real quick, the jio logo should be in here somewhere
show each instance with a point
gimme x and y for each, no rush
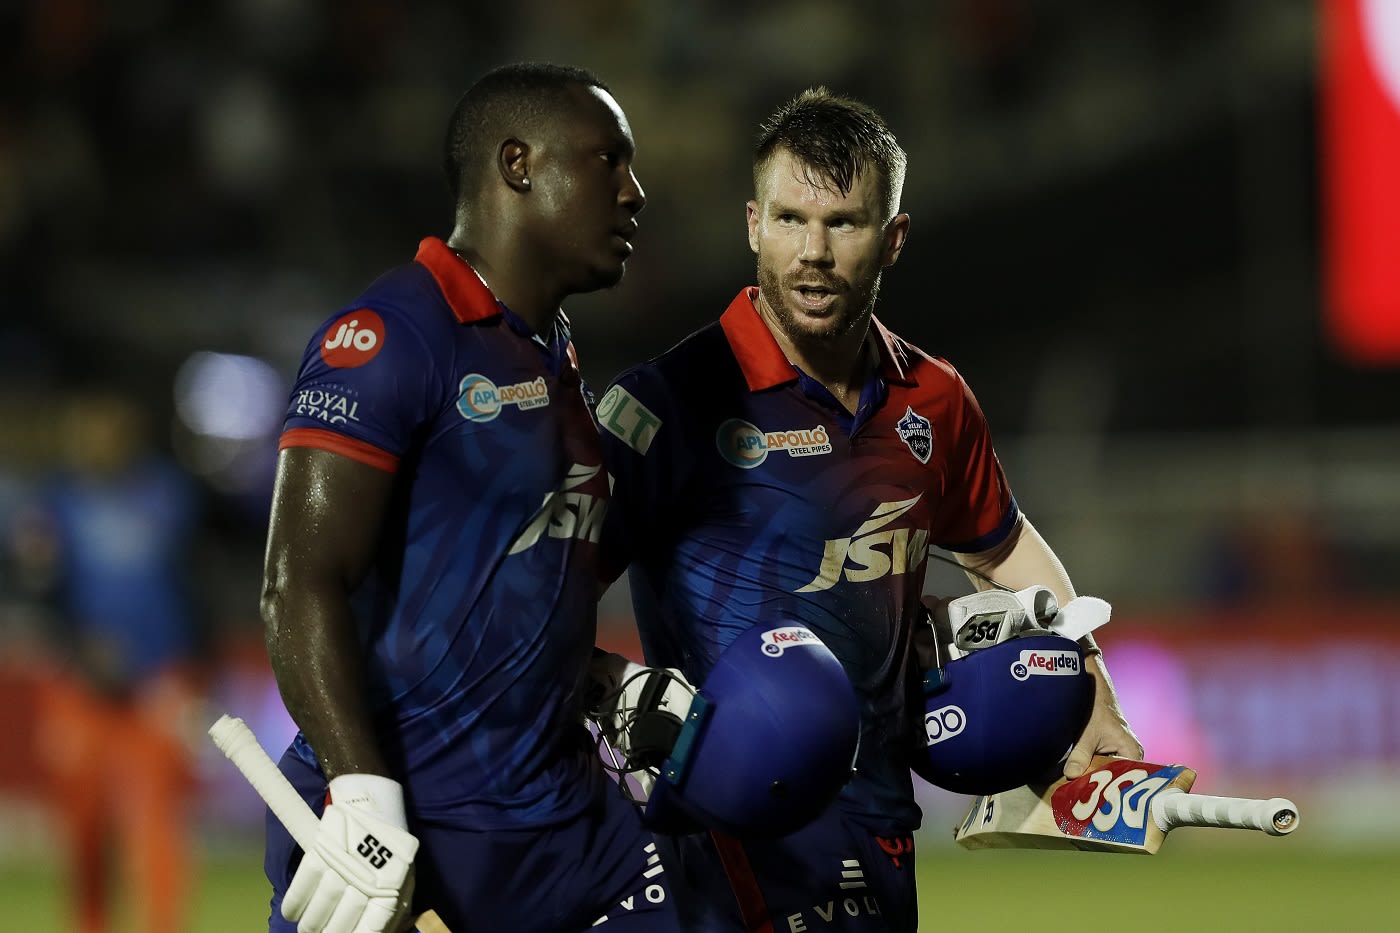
(940, 725)
(353, 340)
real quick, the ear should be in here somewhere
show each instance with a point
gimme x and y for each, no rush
(752, 210)
(895, 233)
(513, 162)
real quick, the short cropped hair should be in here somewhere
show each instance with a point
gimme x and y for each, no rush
(499, 103)
(836, 139)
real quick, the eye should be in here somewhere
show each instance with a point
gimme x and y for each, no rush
(787, 218)
(613, 158)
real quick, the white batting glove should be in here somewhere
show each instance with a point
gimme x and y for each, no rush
(358, 878)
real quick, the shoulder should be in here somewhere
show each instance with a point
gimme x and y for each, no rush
(670, 391)
(700, 363)
(923, 368)
(400, 313)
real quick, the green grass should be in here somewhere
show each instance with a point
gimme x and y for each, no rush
(1266, 886)
(230, 897)
(1266, 889)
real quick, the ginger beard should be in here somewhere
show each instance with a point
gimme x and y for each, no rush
(850, 305)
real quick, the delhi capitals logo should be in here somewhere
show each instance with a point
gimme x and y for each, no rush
(917, 434)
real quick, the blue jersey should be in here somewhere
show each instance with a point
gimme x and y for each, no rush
(479, 613)
(124, 585)
(745, 491)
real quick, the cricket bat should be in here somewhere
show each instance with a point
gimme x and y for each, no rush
(240, 746)
(1118, 805)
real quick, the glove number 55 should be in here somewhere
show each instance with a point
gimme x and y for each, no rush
(373, 851)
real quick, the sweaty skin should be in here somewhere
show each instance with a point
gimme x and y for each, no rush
(820, 253)
(550, 217)
(317, 551)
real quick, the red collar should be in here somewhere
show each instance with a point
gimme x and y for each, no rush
(763, 362)
(463, 288)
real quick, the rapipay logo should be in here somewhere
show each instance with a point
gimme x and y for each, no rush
(478, 398)
(745, 446)
(1061, 663)
(778, 640)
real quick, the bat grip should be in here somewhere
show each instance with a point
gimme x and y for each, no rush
(1275, 816)
(240, 745)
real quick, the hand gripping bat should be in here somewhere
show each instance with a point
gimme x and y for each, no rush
(240, 746)
(1117, 805)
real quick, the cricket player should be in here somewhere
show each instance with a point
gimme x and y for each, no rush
(432, 556)
(796, 459)
(111, 536)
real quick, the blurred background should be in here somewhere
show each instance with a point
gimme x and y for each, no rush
(1161, 240)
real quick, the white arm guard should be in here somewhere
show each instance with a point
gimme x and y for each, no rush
(358, 877)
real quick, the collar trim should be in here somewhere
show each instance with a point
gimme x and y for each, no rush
(466, 292)
(763, 362)
(760, 358)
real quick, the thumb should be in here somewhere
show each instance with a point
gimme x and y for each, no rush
(1078, 761)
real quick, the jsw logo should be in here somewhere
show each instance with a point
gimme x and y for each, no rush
(873, 551)
(566, 513)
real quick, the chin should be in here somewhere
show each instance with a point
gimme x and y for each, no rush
(803, 324)
(608, 276)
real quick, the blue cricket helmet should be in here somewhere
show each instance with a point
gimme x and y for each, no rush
(1004, 716)
(769, 741)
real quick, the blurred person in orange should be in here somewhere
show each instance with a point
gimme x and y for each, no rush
(106, 544)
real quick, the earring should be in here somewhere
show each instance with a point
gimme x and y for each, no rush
(525, 182)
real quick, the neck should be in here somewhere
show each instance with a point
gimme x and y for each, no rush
(841, 363)
(528, 294)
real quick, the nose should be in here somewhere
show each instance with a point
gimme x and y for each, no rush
(816, 247)
(632, 196)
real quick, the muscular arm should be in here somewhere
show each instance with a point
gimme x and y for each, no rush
(326, 515)
(1023, 560)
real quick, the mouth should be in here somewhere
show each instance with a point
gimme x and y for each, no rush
(622, 237)
(813, 297)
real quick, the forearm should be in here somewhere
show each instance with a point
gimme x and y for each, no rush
(322, 536)
(1023, 559)
(319, 668)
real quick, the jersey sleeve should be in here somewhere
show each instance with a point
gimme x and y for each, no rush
(977, 510)
(644, 453)
(366, 383)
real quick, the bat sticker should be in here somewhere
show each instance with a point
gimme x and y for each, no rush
(1111, 803)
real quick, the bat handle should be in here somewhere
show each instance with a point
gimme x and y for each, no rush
(1275, 816)
(240, 745)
